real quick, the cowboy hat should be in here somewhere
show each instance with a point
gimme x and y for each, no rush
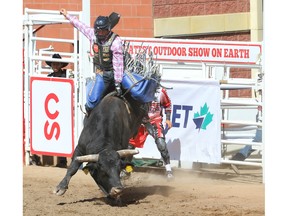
(56, 55)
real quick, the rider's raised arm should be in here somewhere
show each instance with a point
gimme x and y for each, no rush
(82, 27)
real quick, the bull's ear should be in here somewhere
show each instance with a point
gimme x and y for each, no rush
(125, 163)
(127, 166)
(89, 167)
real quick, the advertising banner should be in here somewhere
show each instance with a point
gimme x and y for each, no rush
(196, 118)
(51, 119)
(197, 50)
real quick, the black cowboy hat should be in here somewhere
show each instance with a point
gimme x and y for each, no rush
(56, 55)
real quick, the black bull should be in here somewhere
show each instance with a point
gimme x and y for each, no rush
(108, 129)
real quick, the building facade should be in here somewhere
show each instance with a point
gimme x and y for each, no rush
(227, 20)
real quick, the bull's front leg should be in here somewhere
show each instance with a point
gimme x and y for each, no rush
(71, 170)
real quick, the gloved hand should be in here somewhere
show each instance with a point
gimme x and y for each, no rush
(118, 89)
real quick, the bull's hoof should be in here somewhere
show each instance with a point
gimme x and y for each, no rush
(59, 191)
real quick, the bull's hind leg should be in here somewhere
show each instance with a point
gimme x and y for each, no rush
(72, 169)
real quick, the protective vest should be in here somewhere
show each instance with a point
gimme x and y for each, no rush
(103, 55)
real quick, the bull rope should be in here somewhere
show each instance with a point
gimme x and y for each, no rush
(149, 70)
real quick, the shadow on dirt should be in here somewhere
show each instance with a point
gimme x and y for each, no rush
(130, 196)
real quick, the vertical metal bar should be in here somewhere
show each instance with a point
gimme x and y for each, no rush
(26, 91)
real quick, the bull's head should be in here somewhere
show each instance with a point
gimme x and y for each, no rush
(105, 169)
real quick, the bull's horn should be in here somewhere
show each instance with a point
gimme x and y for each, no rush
(88, 158)
(94, 157)
(127, 152)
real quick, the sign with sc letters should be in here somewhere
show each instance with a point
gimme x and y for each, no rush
(51, 116)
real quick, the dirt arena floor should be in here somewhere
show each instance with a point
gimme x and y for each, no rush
(205, 191)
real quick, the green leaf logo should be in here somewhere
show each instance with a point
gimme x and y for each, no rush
(203, 119)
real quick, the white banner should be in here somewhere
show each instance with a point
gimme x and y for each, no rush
(197, 50)
(51, 119)
(196, 118)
